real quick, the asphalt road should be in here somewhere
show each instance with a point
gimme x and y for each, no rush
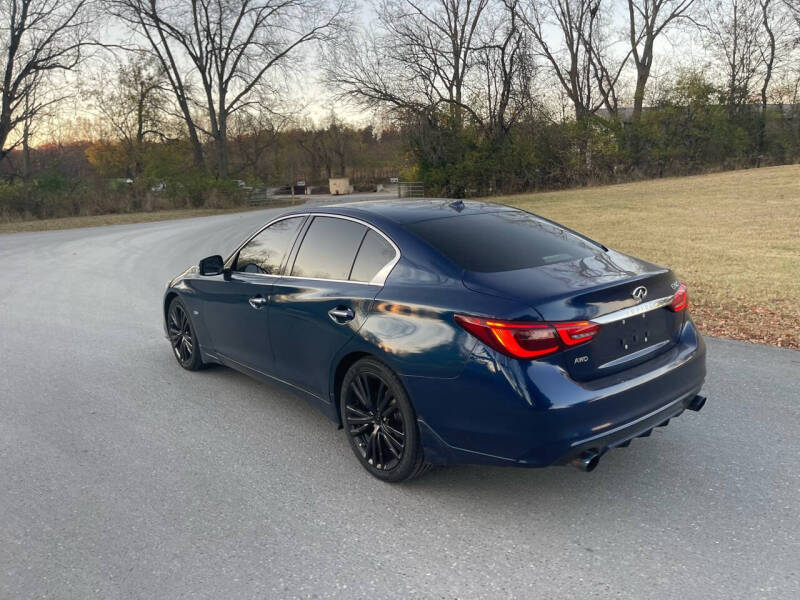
(123, 476)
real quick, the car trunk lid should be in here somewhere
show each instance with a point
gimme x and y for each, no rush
(627, 296)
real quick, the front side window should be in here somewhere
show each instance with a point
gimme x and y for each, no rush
(328, 249)
(264, 254)
(374, 254)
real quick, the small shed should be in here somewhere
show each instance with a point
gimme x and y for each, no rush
(339, 185)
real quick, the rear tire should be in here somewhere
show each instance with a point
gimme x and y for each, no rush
(380, 422)
(182, 336)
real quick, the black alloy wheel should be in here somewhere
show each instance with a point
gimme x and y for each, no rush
(182, 336)
(380, 422)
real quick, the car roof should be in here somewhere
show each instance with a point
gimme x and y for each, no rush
(405, 211)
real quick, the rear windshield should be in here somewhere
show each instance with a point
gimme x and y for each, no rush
(502, 241)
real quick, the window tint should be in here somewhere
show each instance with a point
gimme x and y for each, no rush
(328, 248)
(374, 254)
(502, 241)
(265, 252)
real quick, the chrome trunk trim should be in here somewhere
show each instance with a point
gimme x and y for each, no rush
(632, 311)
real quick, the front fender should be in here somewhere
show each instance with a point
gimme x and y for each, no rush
(181, 287)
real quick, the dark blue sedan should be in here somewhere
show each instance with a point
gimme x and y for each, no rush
(438, 332)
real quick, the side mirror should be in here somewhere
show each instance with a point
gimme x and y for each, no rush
(212, 265)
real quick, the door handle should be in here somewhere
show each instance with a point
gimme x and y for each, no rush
(258, 302)
(341, 314)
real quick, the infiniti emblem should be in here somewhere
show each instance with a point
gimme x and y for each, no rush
(640, 293)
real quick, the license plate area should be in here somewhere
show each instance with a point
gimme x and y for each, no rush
(630, 335)
(624, 344)
(636, 332)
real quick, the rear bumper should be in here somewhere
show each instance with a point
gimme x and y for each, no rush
(505, 412)
(623, 434)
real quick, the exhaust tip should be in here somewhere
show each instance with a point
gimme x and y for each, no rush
(587, 462)
(697, 403)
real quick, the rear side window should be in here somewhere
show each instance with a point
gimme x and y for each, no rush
(374, 254)
(328, 249)
(502, 241)
(264, 254)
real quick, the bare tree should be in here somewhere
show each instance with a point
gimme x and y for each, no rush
(41, 37)
(794, 9)
(734, 33)
(606, 67)
(749, 37)
(647, 21)
(434, 39)
(421, 59)
(327, 146)
(775, 50)
(768, 58)
(506, 70)
(362, 69)
(32, 109)
(135, 107)
(236, 52)
(253, 134)
(768, 50)
(570, 36)
(142, 15)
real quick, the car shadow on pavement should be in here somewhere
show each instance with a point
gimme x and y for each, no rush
(663, 465)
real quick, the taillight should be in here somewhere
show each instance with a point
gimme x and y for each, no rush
(525, 339)
(576, 332)
(680, 301)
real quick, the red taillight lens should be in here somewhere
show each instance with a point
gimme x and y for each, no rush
(576, 333)
(528, 340)
(680, 301)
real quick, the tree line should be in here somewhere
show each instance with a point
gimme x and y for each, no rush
(470, 96)
(509, 95)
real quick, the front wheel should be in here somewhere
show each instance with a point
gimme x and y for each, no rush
(380, 422)
(182, 336)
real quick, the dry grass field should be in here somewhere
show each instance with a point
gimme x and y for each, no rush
(733, 237)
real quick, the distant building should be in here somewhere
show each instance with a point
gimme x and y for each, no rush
(339, 186)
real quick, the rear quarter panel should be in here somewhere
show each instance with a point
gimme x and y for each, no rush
(411, 325)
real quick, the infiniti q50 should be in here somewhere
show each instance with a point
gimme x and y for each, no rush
(439, 332)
